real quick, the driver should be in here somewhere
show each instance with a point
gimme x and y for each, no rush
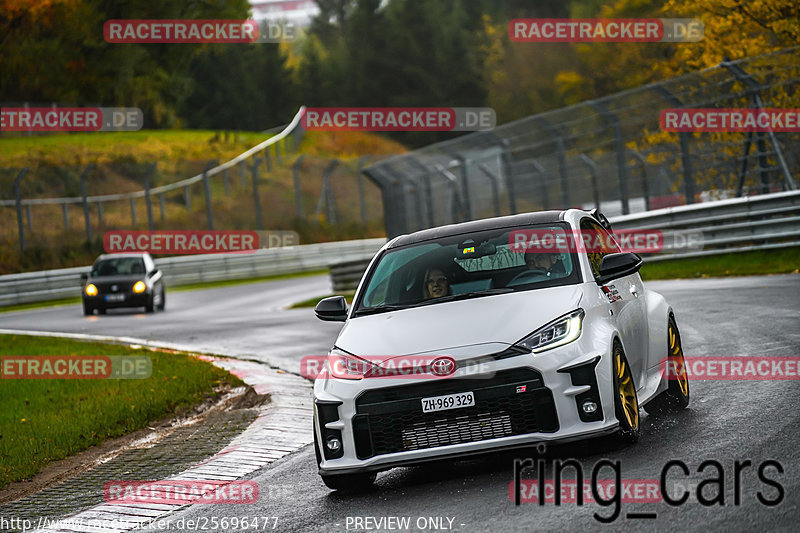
(436, 284)
(544, 263)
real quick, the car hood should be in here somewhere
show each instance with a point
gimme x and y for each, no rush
(493, 321)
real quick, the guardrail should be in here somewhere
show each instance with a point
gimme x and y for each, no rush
(742, 224)
(183, 270)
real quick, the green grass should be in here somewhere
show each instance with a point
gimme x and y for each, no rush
(312, 302)
(45, 420)
(142, 144)
(779, 261)
(38, 305)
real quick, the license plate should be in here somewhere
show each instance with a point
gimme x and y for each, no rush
(115, 297)
(448, 401)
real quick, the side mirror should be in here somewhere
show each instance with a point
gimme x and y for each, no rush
(152, 273)
(333, 309)
(615, 266)
(84, 276)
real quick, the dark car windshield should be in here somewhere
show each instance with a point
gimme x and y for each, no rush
(463, 266)
(118, 266)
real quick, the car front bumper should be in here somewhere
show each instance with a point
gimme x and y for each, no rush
(520, 400)
(130, 299)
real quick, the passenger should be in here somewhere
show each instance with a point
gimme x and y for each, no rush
(436, 284)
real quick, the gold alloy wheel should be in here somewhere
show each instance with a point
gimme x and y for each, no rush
(676, 355)
(626, 390)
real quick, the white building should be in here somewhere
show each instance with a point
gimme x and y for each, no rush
(298, 12)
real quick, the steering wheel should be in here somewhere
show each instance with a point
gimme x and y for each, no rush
(528, 276)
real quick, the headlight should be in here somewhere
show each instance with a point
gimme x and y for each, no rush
(139, 287)
(559, 332)
(343, 365)
(91, 290)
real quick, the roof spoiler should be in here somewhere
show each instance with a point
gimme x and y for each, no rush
(601, 218)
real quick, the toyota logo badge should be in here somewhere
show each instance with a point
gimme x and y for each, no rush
(443, 366)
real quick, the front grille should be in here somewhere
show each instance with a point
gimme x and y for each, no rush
(391, 420)
(106, 288)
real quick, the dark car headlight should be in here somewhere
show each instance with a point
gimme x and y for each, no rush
(559, 332)
(139, 287)
(90, 290)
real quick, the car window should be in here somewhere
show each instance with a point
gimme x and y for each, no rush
(118, 266)
(465, 265)
(597, 247)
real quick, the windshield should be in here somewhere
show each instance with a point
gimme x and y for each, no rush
(463, 266)
(118, 266)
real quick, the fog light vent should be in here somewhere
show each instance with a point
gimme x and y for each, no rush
(333, 444)
(589, 406)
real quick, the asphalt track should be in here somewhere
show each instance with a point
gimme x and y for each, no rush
(727, 421)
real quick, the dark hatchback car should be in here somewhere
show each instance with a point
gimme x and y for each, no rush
(123, 280)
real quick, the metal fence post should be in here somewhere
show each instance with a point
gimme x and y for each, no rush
(225, 183)
(643, 173)
(162, 207)
(277, 154)
(562, 160)
(298, 198)
(593, 173)
(683, 138)
(256, 197)
(360, 178)
(18, 199)
(84, 194)
(30, 218)
(462, 162)
(543, 183)
(330, 201)
(66, 216)
(243, 173)
(133, 212)
(207, 191)
(495, 192)
(187, 198)
(508, 175)
(426, 176)
(754, 89)
(619, 147)
(100, 214)
(147, 200)
(268, 160)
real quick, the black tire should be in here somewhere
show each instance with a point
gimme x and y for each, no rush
(676, 397)
(149, 307)
(349, 483)
(626, 401)
(87, 309)
(161, 306)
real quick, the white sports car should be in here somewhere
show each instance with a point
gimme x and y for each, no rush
(459, 343)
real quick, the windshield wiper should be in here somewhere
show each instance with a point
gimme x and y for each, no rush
(468, 295)
(380, 309)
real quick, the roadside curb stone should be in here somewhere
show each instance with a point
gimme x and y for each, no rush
(271, 431)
